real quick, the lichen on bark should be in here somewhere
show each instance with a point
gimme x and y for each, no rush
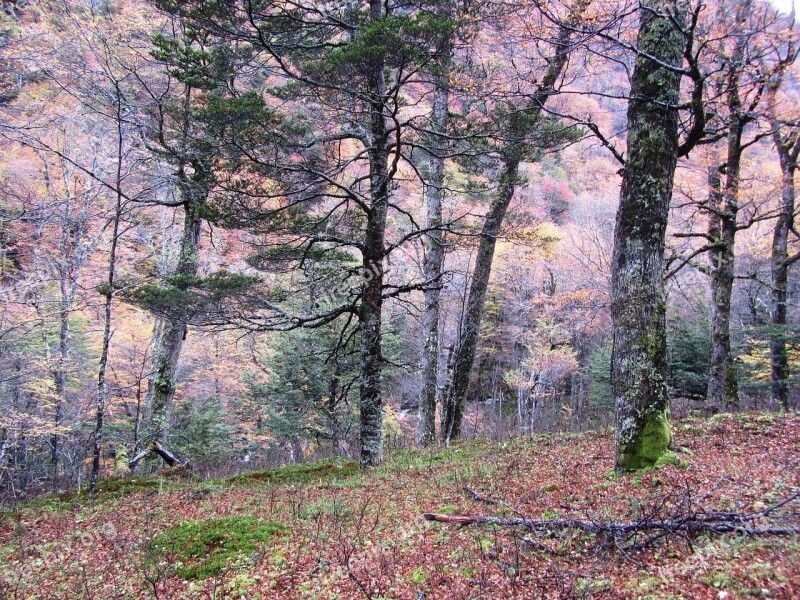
(639, 361)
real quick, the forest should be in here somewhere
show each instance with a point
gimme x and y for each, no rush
(288, 241)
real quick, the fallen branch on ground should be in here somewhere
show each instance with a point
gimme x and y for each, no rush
(685, 519)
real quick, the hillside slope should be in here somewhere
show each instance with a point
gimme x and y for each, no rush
(327, 531)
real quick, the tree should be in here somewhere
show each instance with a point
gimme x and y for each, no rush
(786, 138)
(340, 76)
(434, 241)
(522, 126)
(723, 209)
(310, 388)
(639, 363)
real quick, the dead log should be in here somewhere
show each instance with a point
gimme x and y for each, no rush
(134, 462)
(697, 524)
(169, 457)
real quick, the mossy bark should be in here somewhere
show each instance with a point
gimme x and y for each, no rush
(121, 466)
(649, 442)
(639, 361)
(173, 331)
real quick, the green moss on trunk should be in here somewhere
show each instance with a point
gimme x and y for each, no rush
(645, 448)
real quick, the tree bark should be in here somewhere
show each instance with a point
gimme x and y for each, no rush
(173, 332)
(521, 125)
(779, 263)
(60, 373)
(639, 360)
(723, 388)
(432, 268)
(453, 409)
(100, 401)
(370, 400)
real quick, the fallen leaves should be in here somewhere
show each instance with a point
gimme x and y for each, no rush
(353, 535)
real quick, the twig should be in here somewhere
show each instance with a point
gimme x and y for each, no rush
(476, 496)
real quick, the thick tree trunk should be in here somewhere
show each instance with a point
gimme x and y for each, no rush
(453, 409)
(432, 269)
(639, 361)
(780, 262)
(370, 400)
(173, 331)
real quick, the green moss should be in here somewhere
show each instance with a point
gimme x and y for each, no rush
(447, 509)
(552, 487)
(419, 576)
(205, 548)
(648, 444)
(671, 458)
(324, 470)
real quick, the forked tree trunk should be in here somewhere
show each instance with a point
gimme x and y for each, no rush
(639, 361)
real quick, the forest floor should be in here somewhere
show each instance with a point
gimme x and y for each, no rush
(325, 530)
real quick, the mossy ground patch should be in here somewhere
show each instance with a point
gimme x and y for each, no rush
(201, 549)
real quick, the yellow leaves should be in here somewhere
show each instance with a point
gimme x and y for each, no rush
(550, 358)
(758, 362)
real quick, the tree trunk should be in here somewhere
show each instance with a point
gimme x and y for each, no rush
(60, 374)
(432, 268)
(173, 331)
(639, 360)
(521, 125)
(723, 389)
(100, 402)
(370, 400)
(167, 456)
(721, 392)
(780, 262)
(453, 409)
